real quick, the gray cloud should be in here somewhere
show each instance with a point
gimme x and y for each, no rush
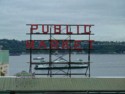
(107, 15)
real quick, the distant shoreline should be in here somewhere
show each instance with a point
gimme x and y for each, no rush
(72, 54)
(16, 47)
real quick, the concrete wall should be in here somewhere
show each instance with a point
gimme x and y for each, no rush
(4, 62)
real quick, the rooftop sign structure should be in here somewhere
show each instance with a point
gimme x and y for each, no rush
(54, 45)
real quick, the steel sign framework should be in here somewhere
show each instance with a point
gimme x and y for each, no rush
(60, 48)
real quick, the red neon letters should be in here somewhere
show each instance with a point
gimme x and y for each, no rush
(55, 44)
(57, 29)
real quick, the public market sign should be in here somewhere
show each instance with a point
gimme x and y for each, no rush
(59, 29)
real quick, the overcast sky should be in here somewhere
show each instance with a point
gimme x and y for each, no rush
(108, 16)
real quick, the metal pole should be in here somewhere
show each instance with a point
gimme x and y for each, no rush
(89, 52)
(50, 55)
(70, 55)
(30, 69)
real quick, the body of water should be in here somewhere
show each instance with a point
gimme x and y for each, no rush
(111, 65)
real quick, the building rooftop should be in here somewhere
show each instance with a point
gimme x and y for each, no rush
(62, 84)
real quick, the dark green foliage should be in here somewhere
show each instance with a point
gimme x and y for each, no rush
(14, 46)
(108, 47)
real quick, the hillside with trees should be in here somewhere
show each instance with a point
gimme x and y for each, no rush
(16, 47)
